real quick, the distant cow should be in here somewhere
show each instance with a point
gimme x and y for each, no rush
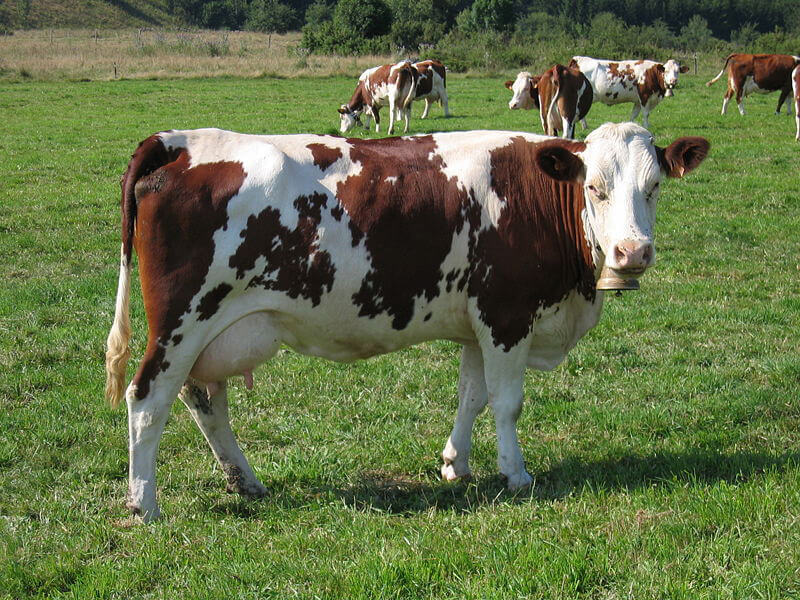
(387, 85)
(643, 82)
(562, 95)
(348, 248)
(764, 73)
(431, 85)
(796, 91)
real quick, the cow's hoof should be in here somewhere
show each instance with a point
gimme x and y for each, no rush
(251, 490)
(144, 515)
(450, 473)
(518, 481)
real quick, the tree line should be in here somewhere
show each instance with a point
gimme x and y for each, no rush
(424, 21)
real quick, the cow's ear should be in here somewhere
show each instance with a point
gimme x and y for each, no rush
(510, 84)
(683, 155)
(684, 69)
(559, 163)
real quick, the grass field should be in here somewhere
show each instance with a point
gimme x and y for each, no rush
(665, 451)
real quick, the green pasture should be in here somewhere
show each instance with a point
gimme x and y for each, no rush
(665, 450)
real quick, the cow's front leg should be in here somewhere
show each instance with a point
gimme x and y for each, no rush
(472, 399)
(211, 415)
(392, 117)
(377, 114)
(505, 373)
(637, 108)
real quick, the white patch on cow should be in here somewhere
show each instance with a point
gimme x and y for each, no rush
(391, 179)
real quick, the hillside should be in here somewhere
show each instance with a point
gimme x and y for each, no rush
(39, 14)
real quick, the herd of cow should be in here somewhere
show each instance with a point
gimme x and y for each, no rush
(346, 248)
(564, 94)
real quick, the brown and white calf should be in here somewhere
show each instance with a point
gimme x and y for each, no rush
(562, 95)
(431, 85)
(763, 73)
(796, 92)
(387, 85)
(347, 248)
(643, 82)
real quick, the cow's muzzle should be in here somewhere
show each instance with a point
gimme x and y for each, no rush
(631, 258)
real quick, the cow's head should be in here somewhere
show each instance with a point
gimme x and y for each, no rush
(348, 118)
(621, 169)
(671, 70)
(525, 93)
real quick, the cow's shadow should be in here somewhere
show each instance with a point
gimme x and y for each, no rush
(391, 494)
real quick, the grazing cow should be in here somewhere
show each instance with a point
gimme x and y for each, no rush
(431, 85)
(349, 248)
(387, 85)
(796, 91)
(764, 73)
(643, 82)
(562, 95)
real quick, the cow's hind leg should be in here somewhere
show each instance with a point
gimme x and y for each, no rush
(149, 400)
(784, 98)
(427, 108)
(210, 412)
(472, 399)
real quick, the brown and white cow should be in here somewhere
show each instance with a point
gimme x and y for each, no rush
(431, 85)
(796, 92)
(643, 82)
(387, 85)
(764, 73)
(562, 95)
(349, 248)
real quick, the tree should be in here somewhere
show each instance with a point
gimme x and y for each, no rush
(696, 35)
(495, 15)
(271, 16)
(365, 18)
(318, 13)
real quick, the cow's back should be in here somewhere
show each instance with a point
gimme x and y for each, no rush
(355, 247)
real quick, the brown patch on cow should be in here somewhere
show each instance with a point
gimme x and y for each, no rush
(407, 226)
(294, 263)
(324, 156)
(209, 304)
(537, 253)
(425, 80)
(178, 210)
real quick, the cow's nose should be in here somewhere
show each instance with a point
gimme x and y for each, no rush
(633, 255)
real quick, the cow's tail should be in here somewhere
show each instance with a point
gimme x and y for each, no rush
(150, 155)
(725, 66)
(410, 73)
(118, 350)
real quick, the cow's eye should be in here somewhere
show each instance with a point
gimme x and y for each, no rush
(597, 193)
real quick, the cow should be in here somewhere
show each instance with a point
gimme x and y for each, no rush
(796, 92)
(346, 248)
(764, 73)
(643, 82)
(386, 85)
(431, 85)
(562, 95)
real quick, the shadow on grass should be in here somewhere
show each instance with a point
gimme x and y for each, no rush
(394, 495)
